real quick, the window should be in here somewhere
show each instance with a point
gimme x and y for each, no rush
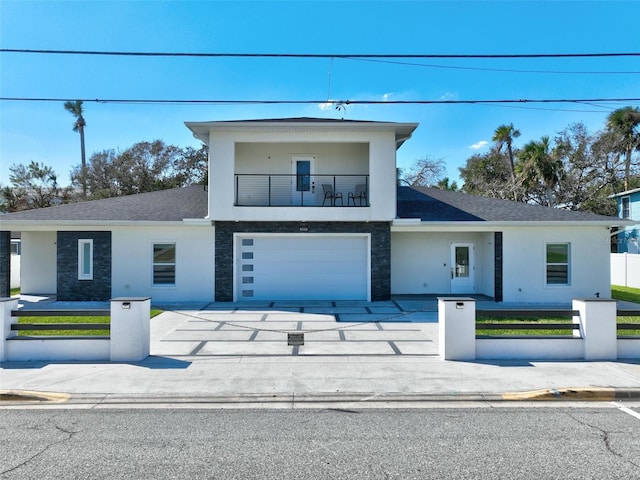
(85, 259)
(164, 263)
(558, 263)
(626, 207)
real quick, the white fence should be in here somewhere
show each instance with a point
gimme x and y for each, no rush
(129, 338)
(594, 338)
(625, 269)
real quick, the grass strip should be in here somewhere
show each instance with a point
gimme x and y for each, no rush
(524, 321)
(78, 319)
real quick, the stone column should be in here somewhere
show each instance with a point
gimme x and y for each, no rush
(5, 263)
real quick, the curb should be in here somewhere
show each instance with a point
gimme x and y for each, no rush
(320, 400)
(577, 393)
(31, 396)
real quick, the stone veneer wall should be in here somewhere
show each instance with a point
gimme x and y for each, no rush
(497, 245)
(380, 250)
(5, 264)
(68, 286)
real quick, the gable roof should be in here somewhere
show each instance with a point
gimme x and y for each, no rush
(435, 205)
(403, 131)
(175, 205)
(161, 206)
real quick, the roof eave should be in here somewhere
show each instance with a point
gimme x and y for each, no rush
(40, 225)
(403, 223)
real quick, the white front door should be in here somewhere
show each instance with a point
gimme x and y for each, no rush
(302, 181)
(462, 268)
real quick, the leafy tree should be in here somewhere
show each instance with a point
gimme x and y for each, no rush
(33, 186)
(192, 166)
(587, 182)
(425, 172)
(624, 124)
(11, 199)
(488, 174)
(445, 185)
(75, 108)
(144, 167)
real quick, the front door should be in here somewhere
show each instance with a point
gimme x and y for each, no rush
(462, 268)
(302, 181)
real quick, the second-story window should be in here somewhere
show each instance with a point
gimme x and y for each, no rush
(626, 207)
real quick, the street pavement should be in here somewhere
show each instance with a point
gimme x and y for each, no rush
(375, 353)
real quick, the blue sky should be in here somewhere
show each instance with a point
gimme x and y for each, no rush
(43, 131)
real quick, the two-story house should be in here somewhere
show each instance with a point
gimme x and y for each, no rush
(629, 209)
(308, 209)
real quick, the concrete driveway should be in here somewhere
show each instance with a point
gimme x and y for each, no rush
(330, 328)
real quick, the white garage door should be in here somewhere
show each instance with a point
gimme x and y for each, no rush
(302, 267)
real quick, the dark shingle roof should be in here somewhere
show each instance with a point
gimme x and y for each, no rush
(165, 205)
(435, 205)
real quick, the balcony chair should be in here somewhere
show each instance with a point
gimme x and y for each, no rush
(330, 195)
(360, 194)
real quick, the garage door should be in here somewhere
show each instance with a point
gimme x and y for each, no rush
(302, 267)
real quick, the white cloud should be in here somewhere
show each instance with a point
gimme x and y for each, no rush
(326, 106)
(386, 96)
(448, 96)
(479, 145)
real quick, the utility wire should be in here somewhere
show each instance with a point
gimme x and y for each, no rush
(316, 55)
(332, 102)
(506, 70)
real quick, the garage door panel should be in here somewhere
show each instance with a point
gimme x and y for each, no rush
(303, 268)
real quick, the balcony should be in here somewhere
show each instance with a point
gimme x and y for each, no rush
(301, 190)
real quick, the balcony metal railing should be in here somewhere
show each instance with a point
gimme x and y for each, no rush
(286, 190)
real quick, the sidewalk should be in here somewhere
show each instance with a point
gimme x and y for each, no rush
(226, 354)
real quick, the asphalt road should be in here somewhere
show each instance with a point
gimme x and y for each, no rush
(600, 442)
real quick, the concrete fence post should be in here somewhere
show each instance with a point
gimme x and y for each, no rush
(457, 328)
(6, 306)
(597, 321)
(130, 329)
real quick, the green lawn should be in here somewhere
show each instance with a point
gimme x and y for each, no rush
(523, 320)
(617, 293)
(625, 293)
(32, 333)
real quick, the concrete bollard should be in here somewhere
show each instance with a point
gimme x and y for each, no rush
(130, 329)
(457, 328)
(6, 306)
(598, 327)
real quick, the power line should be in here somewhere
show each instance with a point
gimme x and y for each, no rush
(507, 70)
(313, 102)
(316, 55)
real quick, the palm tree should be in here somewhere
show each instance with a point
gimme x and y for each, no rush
(540, 167)
(504, 135)
(75, 109)
(623, 123)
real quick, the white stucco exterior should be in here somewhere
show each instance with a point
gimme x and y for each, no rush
(421, 261)
(132, 262)
(338, 149)
(524, 250)
(38, 262)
